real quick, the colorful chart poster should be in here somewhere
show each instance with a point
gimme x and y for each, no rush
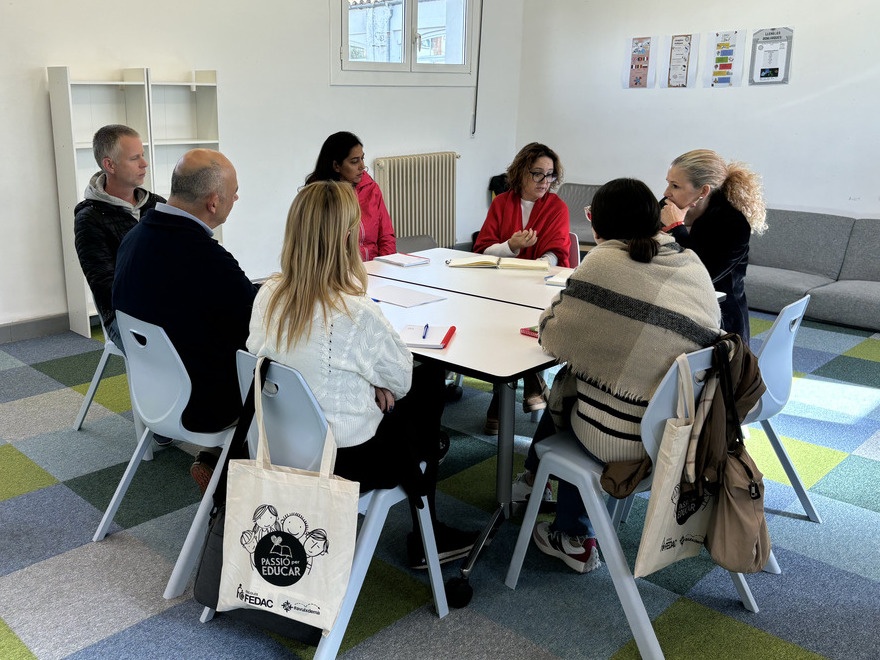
(771, 56)
(679, 60)
(640, 59)
(725, 56)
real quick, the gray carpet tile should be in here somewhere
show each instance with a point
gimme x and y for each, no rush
(41, 349)
(73, 600)
(78, 369)
(23, 382)
(462, 635)
(847, 481)
(44, 413)
(833, 613)
(102, 442)
(218, 639)
(43, 524)
(165, 534)
(852, 370)
(870, 448)
(8, 362)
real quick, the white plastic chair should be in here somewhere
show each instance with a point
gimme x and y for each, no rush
(296, 428)
(776, 364)
(109, 349)
(560, 455)
(160, 387)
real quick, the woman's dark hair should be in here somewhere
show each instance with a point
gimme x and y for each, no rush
(523, 161)
(626, 210)
(334, 150)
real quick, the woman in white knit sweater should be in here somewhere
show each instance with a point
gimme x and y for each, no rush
(636, 302)
(315, 316)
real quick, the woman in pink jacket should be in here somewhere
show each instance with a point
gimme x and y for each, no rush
(342, 159)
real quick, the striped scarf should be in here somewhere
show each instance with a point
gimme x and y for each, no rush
(619, 324)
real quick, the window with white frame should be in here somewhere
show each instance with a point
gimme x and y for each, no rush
(405, 42)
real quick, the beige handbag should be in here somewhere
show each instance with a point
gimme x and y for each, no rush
(677, 519)
(289, 535)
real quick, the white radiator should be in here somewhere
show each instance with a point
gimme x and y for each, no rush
(419, 192)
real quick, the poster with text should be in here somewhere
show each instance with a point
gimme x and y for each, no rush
(639, 68)
(677, 58)
(771, 56)
(725, 50)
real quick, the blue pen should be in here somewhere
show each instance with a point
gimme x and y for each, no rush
(425, 333)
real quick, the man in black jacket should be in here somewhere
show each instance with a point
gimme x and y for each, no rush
(172, 273)
(114, 202)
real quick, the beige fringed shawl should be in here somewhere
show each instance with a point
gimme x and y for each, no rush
(618, 325)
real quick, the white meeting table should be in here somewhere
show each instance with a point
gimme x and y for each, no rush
(487, 345)
(509, 285)
(518, 287)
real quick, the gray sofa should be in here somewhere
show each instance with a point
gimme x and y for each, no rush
(833, 258)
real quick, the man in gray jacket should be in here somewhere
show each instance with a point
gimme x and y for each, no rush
(114, 202)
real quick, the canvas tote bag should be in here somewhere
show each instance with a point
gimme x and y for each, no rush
(677, 518)
(289, 535)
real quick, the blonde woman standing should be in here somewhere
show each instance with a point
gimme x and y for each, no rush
(713, 207)
(315, 316)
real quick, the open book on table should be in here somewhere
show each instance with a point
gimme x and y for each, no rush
(427, 336)
(488, 261)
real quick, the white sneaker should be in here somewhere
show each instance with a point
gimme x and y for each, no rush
(580, 553)
(521, 490)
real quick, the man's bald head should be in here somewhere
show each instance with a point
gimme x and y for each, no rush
(205, 184)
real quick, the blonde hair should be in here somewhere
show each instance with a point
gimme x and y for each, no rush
(320, 259)
(740, 185)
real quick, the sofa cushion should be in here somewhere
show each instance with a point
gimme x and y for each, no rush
(862, 260)
(799, 241)
(576, 196)
(771, 289)
(847, 302)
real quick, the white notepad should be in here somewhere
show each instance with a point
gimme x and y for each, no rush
(403, 259)
(397, 295)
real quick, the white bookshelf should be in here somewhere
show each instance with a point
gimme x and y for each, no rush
(172, 117)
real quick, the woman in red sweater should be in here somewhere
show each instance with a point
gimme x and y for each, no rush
(342, 159)
(528, 221)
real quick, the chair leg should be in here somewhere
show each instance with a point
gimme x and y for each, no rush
(435, 574)
(619, 509)
(124, 483)
(207, 615)
(745, 594)
(93, 387)
(195, 538)
(772, 566)
(624, 583)
(530, 515)
(367, 538)
(791, 472)
(139, 429)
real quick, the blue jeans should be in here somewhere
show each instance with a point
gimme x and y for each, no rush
(113, 335)
(571, 515)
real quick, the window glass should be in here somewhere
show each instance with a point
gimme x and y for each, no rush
(375, 31)
(441, 31)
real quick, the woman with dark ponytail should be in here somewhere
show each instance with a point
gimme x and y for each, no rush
(636, 302)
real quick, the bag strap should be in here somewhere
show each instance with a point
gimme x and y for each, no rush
(685, 408)
(238, 443)
(263, 460)
(735, 437)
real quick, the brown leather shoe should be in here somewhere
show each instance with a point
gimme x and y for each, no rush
(203, 469)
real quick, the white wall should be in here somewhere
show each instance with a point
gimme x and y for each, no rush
(276, 108)
(815, 141)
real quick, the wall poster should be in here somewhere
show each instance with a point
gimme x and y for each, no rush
(771, 56)
(640, 69)
(726, 52)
